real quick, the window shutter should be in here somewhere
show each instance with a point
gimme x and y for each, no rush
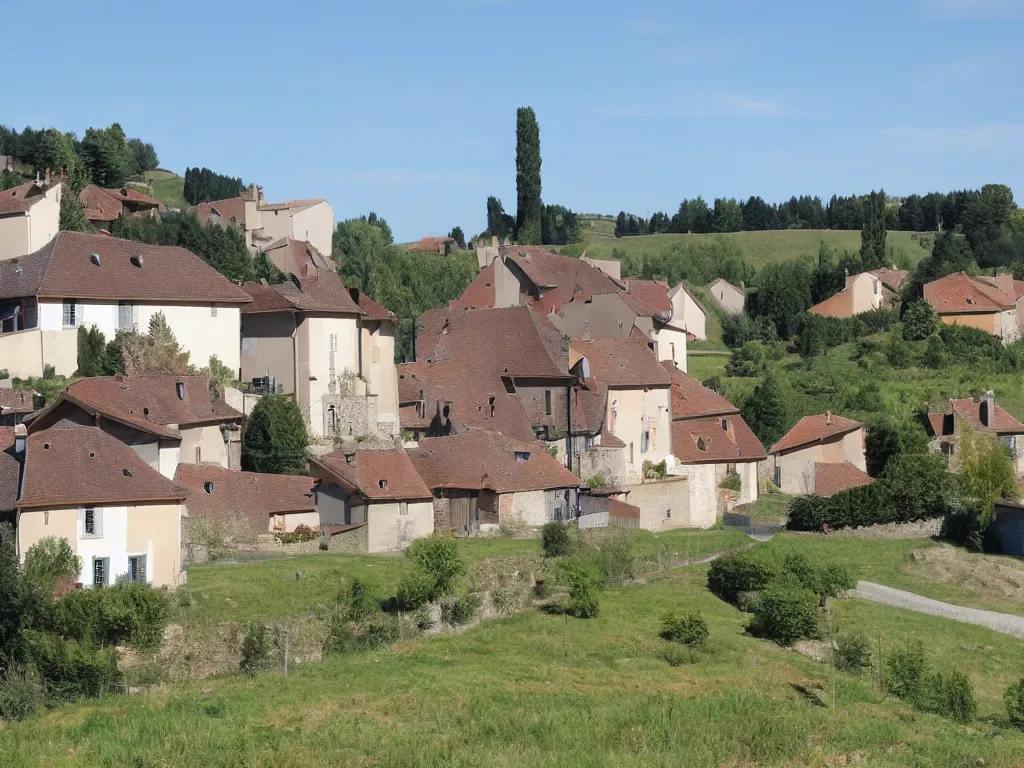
(140, 569)
(67, 313)
(98, 522)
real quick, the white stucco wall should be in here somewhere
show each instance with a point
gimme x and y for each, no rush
(389, 530)
(170, 456)
(686, 312)
(853, 449)
(703, 492)
(112, 543)
(25, 353)
(748, 481)
(209, 440)
(671, 345)
(315, 225)
(346, 357)
(379, 370)
(14, 237)
(624, 418)
(729, 298)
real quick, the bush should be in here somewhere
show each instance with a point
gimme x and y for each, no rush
(358, 601)
(341, 639)
(256, 647)
(555, 540)
(460, 610)
(131, 613)
(1014, 698)
(275, 438)
(412, 593)
(595, 481)
(51, 562)
(731, 482)
(652, 471)
(919, 321)
(583, 602)
(852, 653)
(905, 671)
(614, 559)
(676, 656)
(69, 670)
(785, 614)
(378, 633)
(439, 557)
(21, 694)
(301, 533)
(689, 629)
(949, 695)
(423, 620)
(749, 571)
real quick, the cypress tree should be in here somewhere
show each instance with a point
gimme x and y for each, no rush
(528, 215)
(872, 236)
(765, 411)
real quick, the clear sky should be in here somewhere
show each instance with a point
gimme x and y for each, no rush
(408, 108)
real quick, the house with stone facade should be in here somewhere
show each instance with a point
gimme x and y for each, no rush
(992, 304)
(710, 441)
(331, 347)
(121, 516)
(481, 480)
(29, 218)
(982, 415)
(167, 420)
(821, 454)
(371, 501)
(81, 280)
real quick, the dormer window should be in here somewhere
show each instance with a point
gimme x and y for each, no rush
(701, 444)
(522, 456)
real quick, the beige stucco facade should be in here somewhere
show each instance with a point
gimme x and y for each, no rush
(795, 469)
(670, 344)
(204, 443)
(379, 369)
(333, 358)
(25, 233)
(303, 221)
(664, 504)
(686, 312)
(26, 353)
(393, 526)
(729, 298)
(632, 411)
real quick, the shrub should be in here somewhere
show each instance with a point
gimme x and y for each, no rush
(51, 561)
(340, 640)
(614, 559)
(748, 571)
(949, 695)
(583, 602)
(852, 653)
(460, 610)
(595, 481)
(919, 321)
(1014, 698)
(555, 540)
(676, 656)
(71, 670)
(256, 647)
(731, 482)
(359, 601)
(301, 533)
(378, 633)
(905, 671)
(275, 438)
(652, 471)
(21, 694)
(423, 620)
(413, 592)
(439, 557)
(507, 599)
(541, 589)
(689, 629)
(785, 614)
(130, 613)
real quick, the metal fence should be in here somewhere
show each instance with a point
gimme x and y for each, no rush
(745, 524)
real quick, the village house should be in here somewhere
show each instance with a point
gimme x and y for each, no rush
(15, 405)
(241, 507)
(309, 221)
(296, 257)
(166, 419)
(331, 346)
(82, 280)
(639, 409)
(728, 297)
(611, 267)
(596, 452)
(992, 304)
(440, 245)
(821, 455)
(102, 207)
(893, 279)
(863, 292)
(710, 441)
(121, 516)
(482, 479)
(982, 415)
(371, 501)
(29, 219)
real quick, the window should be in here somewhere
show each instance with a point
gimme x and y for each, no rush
(620, 325)
(547, 402)
(179, 388)
(730, 469)
(90, 523)
(778, 476)
(100, 566)
(490, 401)
(126, 316)
(947, 449)
(522, 456)
(668, 513)
(403, 508)
(586, 330)
(208, 486)
(645, 441)
(199, 454)
(137, 568)
(213, 310)
(71, 314)
(672, 349)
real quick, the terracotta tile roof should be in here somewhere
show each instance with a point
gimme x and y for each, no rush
(814, 429)
(970, 411)
(99, 204)
(833, 305)
(608, 440)
(10, 471)
(830, 479)
(479, 294)
(323, 292)
(690, 398)
(21, 198)
(430, 244)
(589, 407)
(64, 269)
(85, 465)
(478, 460)
(373, 310)
(6, 438)
(623, 363)
(223, 210)
(149, 403)
(130, 194)
(704, 440)
(894, 278)
(961, 293)
(16, 401)
(651, 294)
(374, 475)
(562, 278)
(251, 494)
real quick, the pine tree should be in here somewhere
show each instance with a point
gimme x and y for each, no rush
(765, 411)
(528, 185)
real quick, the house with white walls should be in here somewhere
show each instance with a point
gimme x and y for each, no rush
(82, 280)
(29, 216)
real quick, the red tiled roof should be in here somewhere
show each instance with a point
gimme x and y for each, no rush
(562, 278)
(479, 459)
(653, 294)
(622, 509)
(20, 198)
(251, 494)
(64, 269)
(131, 194)
(830, 479)
(16, 401)
(85, 465)
(149, 403)
(704, 440)
(430, 244)
(830, 306)
(479, 294)
(373, 310)
(323, 292)
(894, 278)
(961, 293)
(623, 363)
(691, 398)
(814, 429)
(224, 210)
(970, 411)
(300, 255)
(374, 475)
(6, 438)
(99, 204)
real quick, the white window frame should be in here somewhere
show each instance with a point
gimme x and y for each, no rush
(71, 313)
(106, 571)
(144, 558)
(97, 523)
(126, 308)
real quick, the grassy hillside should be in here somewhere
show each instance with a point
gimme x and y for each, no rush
(757, 248)
(540, 690)
(167, 187)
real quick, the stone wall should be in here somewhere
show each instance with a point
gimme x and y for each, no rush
(354, 541)
(442, 514)
(664, 504)
(605, 461)
(922, 529)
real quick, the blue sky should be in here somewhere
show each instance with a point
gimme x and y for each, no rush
(408, 108)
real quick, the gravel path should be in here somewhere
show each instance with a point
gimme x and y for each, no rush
(1006, 623)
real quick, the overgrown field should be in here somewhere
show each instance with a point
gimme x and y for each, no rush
(167, 187)
(537, 689)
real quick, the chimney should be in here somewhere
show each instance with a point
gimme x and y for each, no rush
(828, 418)
(988, 409)
(349, 457)
(494, 241)
(949, 403)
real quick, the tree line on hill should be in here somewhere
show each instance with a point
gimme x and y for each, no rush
(534, 223)
(203, 186)
(103, 156)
